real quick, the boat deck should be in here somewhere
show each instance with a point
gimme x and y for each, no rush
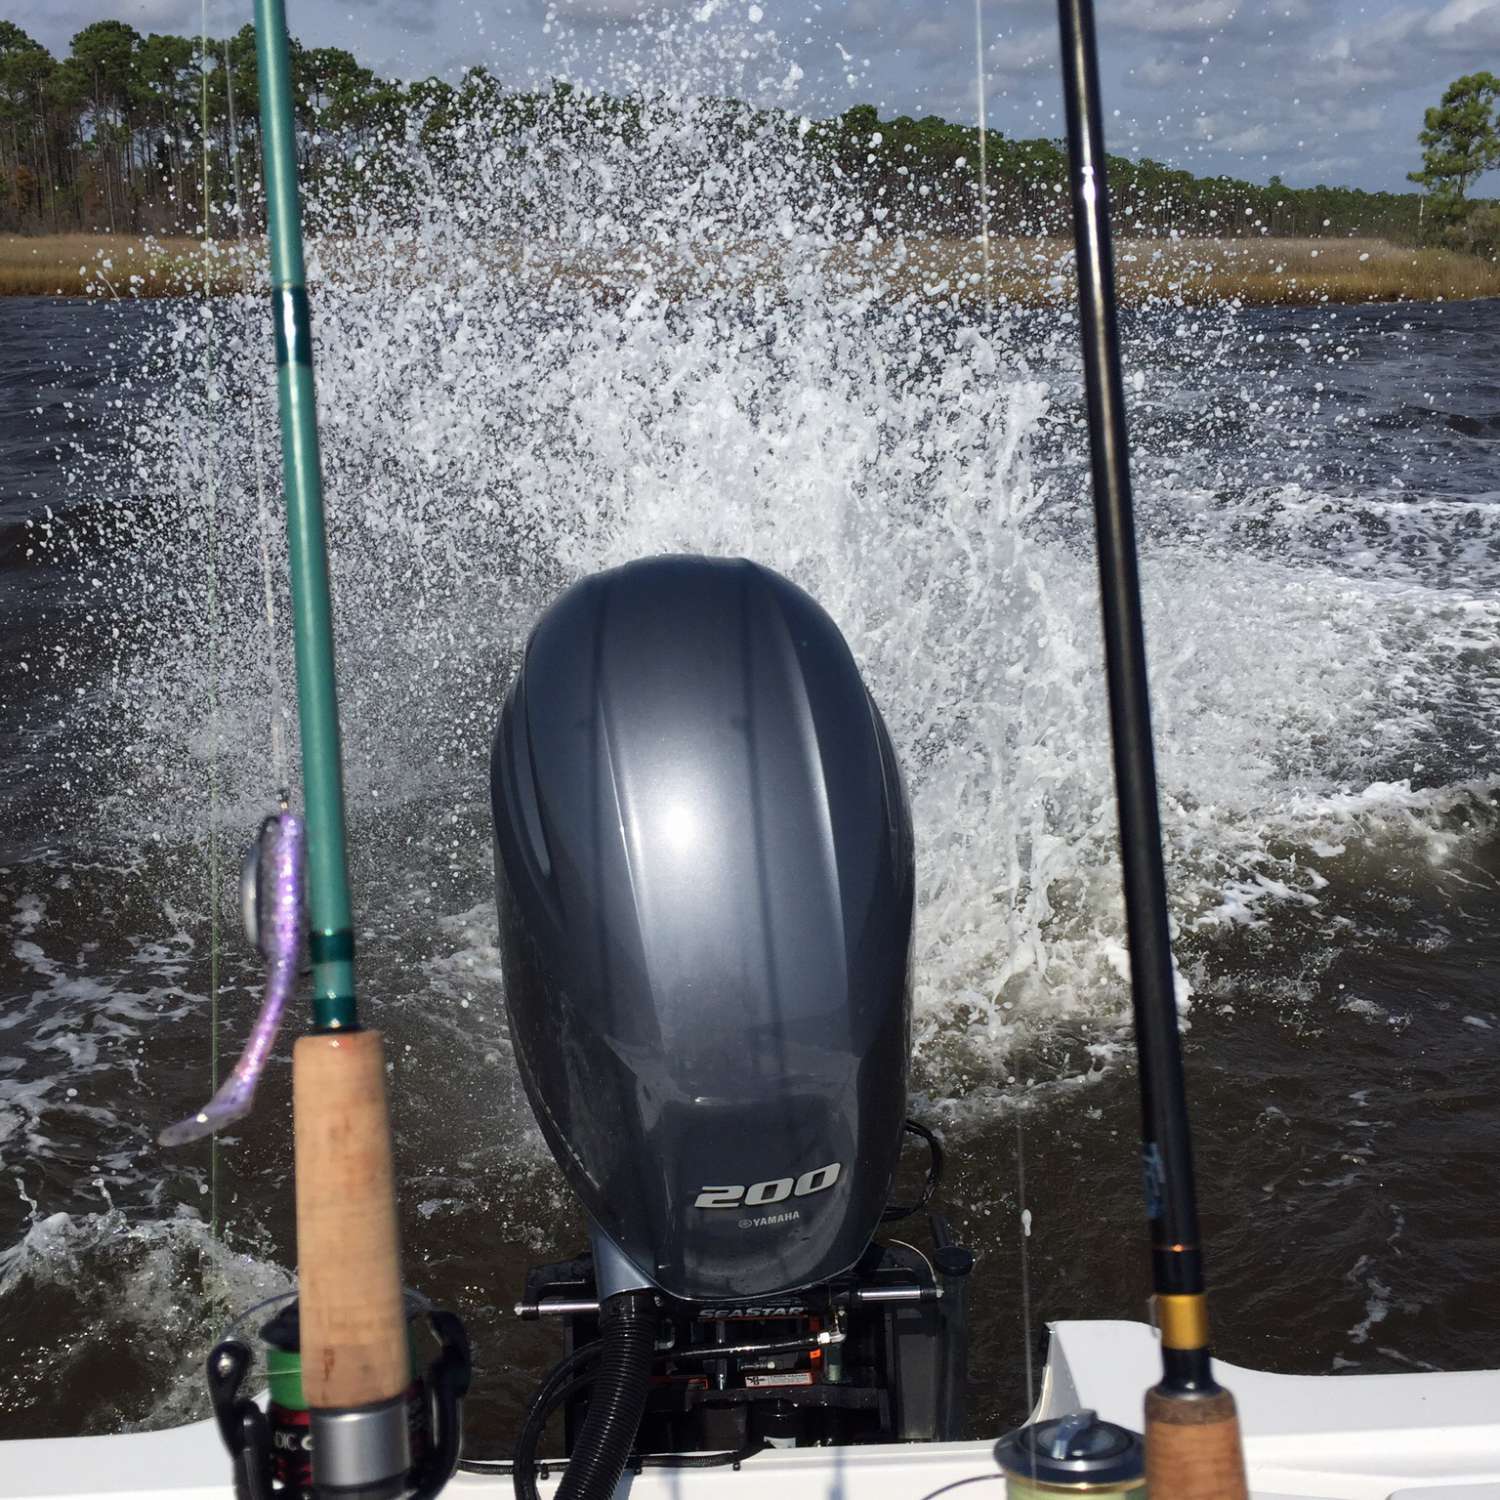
(1359, 1437)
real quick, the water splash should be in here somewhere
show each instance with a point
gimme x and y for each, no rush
(108, 1287)
(589, 333)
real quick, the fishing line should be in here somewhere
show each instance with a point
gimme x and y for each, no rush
(262, 505)
(211, 495)
(273, 667)
(984, 189)
(989, 318)
(1025, 1220)
(917, 1250)
(234, 141)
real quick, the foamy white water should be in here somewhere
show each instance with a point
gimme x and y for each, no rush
(507, 404)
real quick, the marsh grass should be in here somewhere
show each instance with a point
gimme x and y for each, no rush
(113, 265)
(1023, 272)
(1259, 272)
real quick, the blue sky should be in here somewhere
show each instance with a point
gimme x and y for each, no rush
(1316, 90)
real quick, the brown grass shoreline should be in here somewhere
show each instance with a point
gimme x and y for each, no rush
(1188, 272)
(104, 266)
(1022, 272)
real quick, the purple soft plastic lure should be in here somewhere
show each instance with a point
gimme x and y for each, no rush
(281, 927)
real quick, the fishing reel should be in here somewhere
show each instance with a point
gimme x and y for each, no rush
(273, 1451)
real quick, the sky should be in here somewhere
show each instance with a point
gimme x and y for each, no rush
(1313, 90)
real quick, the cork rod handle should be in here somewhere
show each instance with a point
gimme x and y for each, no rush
(1193, 1449)
(354, 1345)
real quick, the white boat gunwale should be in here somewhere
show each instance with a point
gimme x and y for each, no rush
(1422, 1436)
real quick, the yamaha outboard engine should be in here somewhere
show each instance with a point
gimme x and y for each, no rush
(704, 866)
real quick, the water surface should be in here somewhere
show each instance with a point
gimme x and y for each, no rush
(1317, 506)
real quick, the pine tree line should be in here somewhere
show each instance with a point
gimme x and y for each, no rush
(118, 136)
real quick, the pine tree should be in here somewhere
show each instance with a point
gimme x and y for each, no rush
(1460, 140)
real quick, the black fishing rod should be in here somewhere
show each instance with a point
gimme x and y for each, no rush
(1193, 1449)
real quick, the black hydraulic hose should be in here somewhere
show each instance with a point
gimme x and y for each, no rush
(524, 1465)
(705, 1352)
(897, 1211)
(556, 1392)
(572, 1375)
(562, 1383)
(725, 1459)
(627, 1342)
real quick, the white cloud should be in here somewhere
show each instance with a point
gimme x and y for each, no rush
(1018, 54)
(1162, 72)
(608, 12)
(1425, 36)
(1465, 18)
(1229, 134)
(1192, 16)
(54, 24)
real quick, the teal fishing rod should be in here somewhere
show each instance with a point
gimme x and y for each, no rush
(1193, 1447)
(353, 1327)
(331, 936)
(356, 1368)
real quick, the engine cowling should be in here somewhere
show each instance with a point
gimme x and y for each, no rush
(703, 860)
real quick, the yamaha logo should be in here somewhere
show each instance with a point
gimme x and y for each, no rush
(785, 1218)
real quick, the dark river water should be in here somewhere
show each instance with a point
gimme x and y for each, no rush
(1318, 496)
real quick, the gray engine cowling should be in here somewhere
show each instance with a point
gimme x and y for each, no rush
(703, 858)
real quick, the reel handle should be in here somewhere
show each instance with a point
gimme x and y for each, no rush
(242, 1424)
(447, 1384)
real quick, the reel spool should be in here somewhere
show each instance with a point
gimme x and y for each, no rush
(1073, 1455)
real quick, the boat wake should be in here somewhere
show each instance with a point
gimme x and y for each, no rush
(102, 1293)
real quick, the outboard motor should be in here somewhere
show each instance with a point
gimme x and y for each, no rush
(703, 858)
